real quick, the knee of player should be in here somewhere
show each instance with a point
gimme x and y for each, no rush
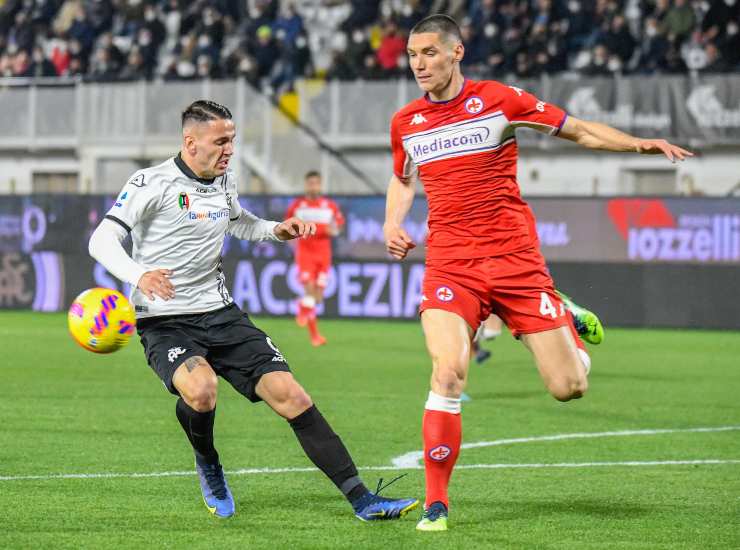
(298, 398)
(448, 379)
(566, 388)
(202, 394)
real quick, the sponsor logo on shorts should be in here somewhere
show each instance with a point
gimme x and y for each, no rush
(474, 105)
(440, 453)
(278, 358)
(445, 294)
(174, 353)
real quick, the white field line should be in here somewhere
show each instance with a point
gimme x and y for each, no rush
(264, 471)
(412, 458)
(410, 461)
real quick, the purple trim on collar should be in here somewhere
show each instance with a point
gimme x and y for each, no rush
(426, 95)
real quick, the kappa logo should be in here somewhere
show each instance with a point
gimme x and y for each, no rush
(474, 105)
(440, 453)
(174, 353)
(445, 294)
(417, 119)
(518, 91)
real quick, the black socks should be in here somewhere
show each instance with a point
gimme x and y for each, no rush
(198, 427)
(327, 452)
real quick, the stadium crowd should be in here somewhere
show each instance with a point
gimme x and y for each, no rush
(272, 42)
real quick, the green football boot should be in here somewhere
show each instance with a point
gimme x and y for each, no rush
(586, 322)
(434, 518)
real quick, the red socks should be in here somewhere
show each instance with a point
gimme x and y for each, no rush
(442, 432)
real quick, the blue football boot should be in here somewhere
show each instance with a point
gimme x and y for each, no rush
(373, 507)
(216, 492)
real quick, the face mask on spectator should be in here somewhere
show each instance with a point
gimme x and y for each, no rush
(574, 6)
(245, 65)
(732, 29)
(150, 15)
(204, 41)
(490, 30)
(651, 31)
(300, 42)
(358, 36)
(730, 2)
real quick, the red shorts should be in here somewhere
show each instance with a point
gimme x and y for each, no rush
(314, 269)
(517, 287)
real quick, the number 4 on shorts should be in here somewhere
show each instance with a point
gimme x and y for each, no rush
(547, 307)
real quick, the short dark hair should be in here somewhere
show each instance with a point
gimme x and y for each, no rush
(312, 174)
(441, 24)
(205, 110)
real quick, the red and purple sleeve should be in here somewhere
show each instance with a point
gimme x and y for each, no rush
(525, 110)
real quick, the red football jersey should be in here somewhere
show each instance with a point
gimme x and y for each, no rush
(465, 153)
(324, 213)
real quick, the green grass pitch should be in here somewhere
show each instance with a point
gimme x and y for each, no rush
(67, 411)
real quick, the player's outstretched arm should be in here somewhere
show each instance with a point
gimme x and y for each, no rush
(595, 135)
(398, 201)
(294, 228)
(105, 247)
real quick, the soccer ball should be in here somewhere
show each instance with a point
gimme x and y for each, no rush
(101, 320)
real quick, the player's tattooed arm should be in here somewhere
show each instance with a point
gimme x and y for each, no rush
(595, 135)
(192, 363)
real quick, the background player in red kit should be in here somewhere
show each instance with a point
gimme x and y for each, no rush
(313, 254)
(482, 252)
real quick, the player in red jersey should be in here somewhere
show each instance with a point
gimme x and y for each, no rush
(482, 252)
(313, 254)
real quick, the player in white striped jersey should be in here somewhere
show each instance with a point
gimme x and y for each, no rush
(178, 214)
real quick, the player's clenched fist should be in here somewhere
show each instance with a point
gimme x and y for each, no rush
(397, 241)
(292, 228)
(157, 282)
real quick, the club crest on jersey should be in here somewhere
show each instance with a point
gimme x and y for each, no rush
(418, 118)
(183, 201)
(474, 105)
(440, 453)
(445, 294)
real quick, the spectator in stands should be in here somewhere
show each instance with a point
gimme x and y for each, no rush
(357, 49)
(619, 40)
(371, 70)
(290, 23)
(116, 56)
(599, 65)
(135, 69)
(652, 48)
(40, 66)
(341, 67)
(729, 44)
(392, 46)
(22, 34)
(679, 21)
(265, 52)
(102, 67)
(714, 62)
(362, 14)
